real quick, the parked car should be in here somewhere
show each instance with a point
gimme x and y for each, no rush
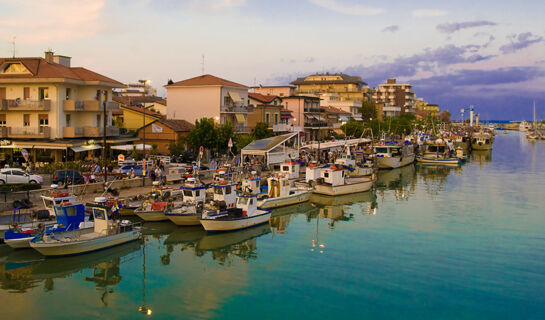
(68, 177)
(15, 175)
(126, 169)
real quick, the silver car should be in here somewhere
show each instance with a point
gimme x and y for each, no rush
(15, 175)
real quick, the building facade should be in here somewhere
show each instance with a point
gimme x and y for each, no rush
(396, 98)
(279, 91)
(208, 96)
(162, 132)
(306, 114)
(51, 108)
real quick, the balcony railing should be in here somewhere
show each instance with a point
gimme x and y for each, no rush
(3, 132)
(88, 105)
(240, 129)
(29, 132)
(315, 124)
(225, 109)
(72, 132)
(26, 105)
(112, 106)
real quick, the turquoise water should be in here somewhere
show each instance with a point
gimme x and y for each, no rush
(429, 242)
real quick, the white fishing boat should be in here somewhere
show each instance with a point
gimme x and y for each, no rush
(334, 181)
(355, 168)
(281, 193)
(391, 156)
(244, 215)
(56, 198)
(439, 152)
(482, 141)
(152, 211)
(251, 184)
(107, 232)
(186, 212)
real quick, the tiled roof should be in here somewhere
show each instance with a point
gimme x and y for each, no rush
(40, 69)
(136, 100)
(334, 110)
(139, 109)
(177, 125)
(261, 97)
(301, 97)
(205, 80)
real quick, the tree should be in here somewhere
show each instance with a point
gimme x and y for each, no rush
(224, 132)
(176, 148)
(368, 110)
(154, 148)
(352, 128)
(444, 116)
(242, 140)
(262, 131)
(204, 134)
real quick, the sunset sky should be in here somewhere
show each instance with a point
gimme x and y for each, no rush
(489, 53)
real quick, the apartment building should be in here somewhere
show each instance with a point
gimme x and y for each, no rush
(396, 98)
(306, 114)
(52, 109)
(208, 96)
(266, 109)
(279, 91)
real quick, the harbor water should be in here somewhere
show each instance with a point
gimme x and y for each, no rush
(428, 242)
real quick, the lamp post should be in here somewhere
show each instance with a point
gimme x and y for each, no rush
(144, 142)
(104, 165)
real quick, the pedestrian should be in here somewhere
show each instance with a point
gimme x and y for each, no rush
(131, 174)
(152, 174)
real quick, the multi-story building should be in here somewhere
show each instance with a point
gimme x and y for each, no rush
(162, 132)
(306, 113)
(208, 96)
(52, 109)
(279, 91)
(153, 103)
(139, 89)
(266, 109)
(396, 98)
(335, 118)
(334, 100)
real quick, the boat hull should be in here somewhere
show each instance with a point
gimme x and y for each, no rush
(84, 246)
(20, 243)
(452, 161)
(476, 146)
(183, 219)
(221, 225)
(348, 188)
(154, 215)
(272, 203)
(394, 162)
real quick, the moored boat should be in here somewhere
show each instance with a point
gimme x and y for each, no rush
(438, 152)
(334, 181)
(281, 193)
(186, 212)
(245, 215)
(391, 156)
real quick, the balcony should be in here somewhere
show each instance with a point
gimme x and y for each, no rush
(112, 106)
(112, 131)
(72, 132)
(3, 132)
(88, 105)
(91, 132)
(29, 132)
(315, 124)
(232, 109)
(240, 128)
(26, 105)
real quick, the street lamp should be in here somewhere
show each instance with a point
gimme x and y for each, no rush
(144, 142)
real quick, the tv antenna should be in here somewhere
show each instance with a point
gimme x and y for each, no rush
(13, 45)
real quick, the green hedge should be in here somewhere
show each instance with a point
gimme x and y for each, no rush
(14, 187)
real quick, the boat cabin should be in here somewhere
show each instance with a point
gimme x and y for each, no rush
(251, 185)
(481, 140)
(57, 198)
(346, 160)
(225, 192)
(312, 172)
(278, 186)
(103, 218)
(70, 217)
(193, 192)
(387, 151)
(333, 175)
(248, 204)
(291, 169)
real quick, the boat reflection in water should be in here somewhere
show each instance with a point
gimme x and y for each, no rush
(281, 217)
(25, 269)
(434, 177)
(343, 208)
(401, 180)
(481, 156)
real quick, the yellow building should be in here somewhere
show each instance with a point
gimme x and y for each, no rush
(53, 110)
(347, 87)
(131, 118)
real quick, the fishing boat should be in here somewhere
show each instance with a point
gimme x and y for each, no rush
(246, 214)
(281, 193)
(55, 198)
(252, 185)
(69, 217)
(334, 181)
(186, 212)
(107, 232)
(391, 156)
(482, 141)
(356, 168)
(438, 152)
(152, 211)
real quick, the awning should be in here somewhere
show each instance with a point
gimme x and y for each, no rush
(240, 118)
(319, 118)
(235, 97)
(86, 148)
(130, 147)
(358, 119)
(343, 118)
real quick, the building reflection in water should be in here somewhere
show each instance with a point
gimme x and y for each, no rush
(400, 180)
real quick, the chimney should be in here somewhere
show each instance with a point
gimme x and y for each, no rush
(62, 60)
(49, 56)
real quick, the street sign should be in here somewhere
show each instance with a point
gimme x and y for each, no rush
(120, 157)
(230, 144)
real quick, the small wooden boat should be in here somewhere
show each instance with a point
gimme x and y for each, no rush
(245, 215)
(69, 217)
(334, 181)
(281, 193)
(107, 232)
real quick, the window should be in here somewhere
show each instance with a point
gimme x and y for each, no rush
(226, 101)
(17, 173)
(26, 93)
(217, 190)
(251, 201)
(326, 174)
(97, 97)
(43, 121)
(68, 93)
(197, 193)
(71, 211)
(228, 190)
(98, 213)
(43, 93)
(68, 118)
(276, 118)
(267, 116)
(98, 120)
(26, 120)
(187, 193)
(2, 120)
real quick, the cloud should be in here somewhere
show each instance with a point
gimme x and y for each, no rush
(522, 41)
(393, 29)
(423, 13)
(457, 26)
(350, 9)
(48, 21)
(430, 60)
(217, 4)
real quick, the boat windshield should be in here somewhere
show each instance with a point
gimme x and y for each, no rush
(99, 213)
(188, 193)
(218, 190)
(48, 203)
(439, 149)
(382, 150)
